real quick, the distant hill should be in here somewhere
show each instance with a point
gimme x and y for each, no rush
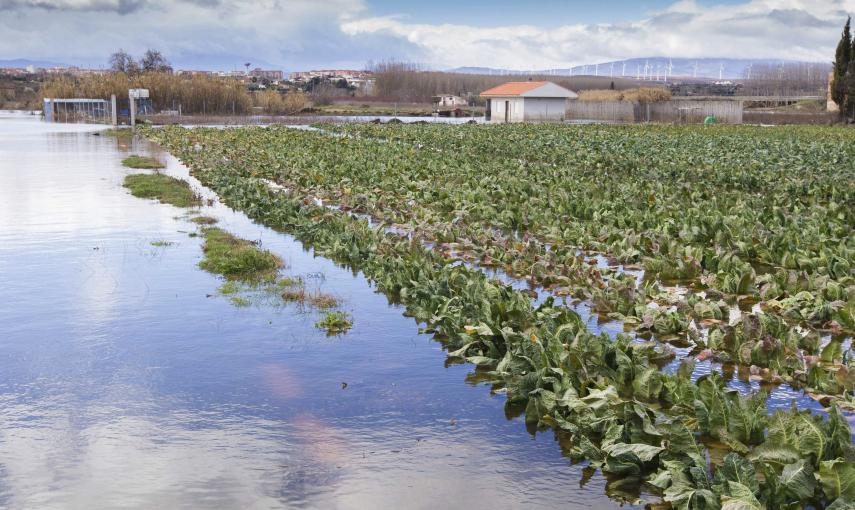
(705, 68)
(224, 62)
(23, 62)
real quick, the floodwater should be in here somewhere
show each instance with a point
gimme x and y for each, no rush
(127, 382)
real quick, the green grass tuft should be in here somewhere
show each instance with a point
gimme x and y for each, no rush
(323, 301)
(237, 259)
(145, 162)
(162, 187)
(240, 302)
(335, 323)
(229, 288)
(204, 220)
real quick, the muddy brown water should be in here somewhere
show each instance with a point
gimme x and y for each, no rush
(126, 382)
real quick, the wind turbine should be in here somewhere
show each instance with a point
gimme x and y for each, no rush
(612, 70)
(720, 71)
(623, 72)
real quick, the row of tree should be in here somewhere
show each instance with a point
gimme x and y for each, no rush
(843, 74)
(403, 81)
(786, 79)
(151, 61)
(207, 95)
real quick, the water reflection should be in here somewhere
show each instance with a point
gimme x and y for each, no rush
(125, 381)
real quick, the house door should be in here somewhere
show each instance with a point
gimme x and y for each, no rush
(507, 111)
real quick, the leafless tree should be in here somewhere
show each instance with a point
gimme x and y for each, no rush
(154, 60)
(786, 79)
(404, 81)
(122, 62)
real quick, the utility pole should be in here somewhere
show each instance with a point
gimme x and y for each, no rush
(133, 108)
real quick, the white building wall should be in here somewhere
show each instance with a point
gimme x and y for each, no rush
(515, 105)
(543, 109)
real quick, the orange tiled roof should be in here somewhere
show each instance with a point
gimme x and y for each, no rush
(514, 88)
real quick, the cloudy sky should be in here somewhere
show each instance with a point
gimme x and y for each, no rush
(518, 34)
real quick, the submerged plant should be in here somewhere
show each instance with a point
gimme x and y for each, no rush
(204, 220)
(335, 323)
(240, 301)
(121, 133)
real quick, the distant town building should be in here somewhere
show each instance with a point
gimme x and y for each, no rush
(527, 101)
(449, 101)
(193, 72)
(266, 75)
(51, 71)
(361, 80)
(331, 74)
(232, 74)
(704, 89)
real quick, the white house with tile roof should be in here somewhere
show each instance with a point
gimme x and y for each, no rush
(527, 101)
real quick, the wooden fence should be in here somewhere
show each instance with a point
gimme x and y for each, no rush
(674, 111)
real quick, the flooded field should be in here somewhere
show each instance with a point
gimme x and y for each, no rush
(735, 371)
(126, 381)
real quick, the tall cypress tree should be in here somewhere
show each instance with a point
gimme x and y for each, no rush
(847, 109)
(841, 64)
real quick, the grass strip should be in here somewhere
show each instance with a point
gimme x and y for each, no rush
(237, 259)
(142, 162)
(164, 188)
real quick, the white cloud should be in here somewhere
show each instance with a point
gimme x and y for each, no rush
(305, 33)
(274, 31)
(787, 29)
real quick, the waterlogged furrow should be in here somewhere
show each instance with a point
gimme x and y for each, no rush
(608, 395)
(459, 203)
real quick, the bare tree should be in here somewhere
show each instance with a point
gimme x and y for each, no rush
(154, 60)
(404, 81)
(787, 79)
(122, 62)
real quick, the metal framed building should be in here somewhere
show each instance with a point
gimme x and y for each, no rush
(78, 110)
(527, 101)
